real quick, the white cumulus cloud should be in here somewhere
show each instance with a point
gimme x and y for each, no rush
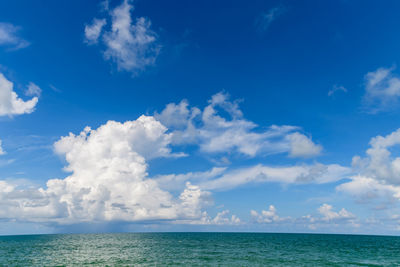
(215, 133)
(108, 180)
(379, 162)
(367, 188)
(378, 172)
(302, 146)
(10, 103)
(108, 177)
(326, 217)
(329, 214)
(329, 218)
(222, 218)
(130, 43)
(267, 216)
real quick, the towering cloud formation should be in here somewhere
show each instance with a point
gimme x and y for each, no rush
(108, 180)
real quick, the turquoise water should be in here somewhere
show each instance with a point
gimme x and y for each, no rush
(199, 249)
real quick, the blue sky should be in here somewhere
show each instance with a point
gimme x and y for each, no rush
(231, 116)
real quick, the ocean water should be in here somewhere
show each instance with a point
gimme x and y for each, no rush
(199, 249)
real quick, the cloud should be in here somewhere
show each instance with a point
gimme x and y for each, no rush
(264, 21)
(5, 162)
(131, 44)
(221, 128)
(317, 173)
(33, 90)
(108, 180)
(267, 216)
(329, 215)
(55, 89)
(378, 172)
(104, 5)
(382, 90)
(222, 218)
(93, 31)
(302, 146)
(177, 181)
(367, 188)
(10, 103)
(379, 162)
(2, 152)
(9, 37)
(225, 179)
(329, 218)
(337, 88)
(147, 137)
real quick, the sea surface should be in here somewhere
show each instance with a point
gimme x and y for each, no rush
(199, 249)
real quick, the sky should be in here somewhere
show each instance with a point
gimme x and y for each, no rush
(148, 115)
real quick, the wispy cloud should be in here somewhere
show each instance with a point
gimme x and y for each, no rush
(337, 88)
(2, 152)
(55, 89)
(222, 178)
(264, 20)
(93, 31)
(5, 162)
(382, 90)
(9, 37)
(33, 90)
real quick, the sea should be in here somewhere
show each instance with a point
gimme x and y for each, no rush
(199, 249)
